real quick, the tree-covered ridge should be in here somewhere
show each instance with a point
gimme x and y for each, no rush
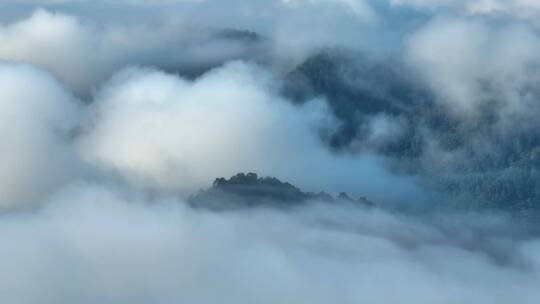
(480, 158)
(250, 190)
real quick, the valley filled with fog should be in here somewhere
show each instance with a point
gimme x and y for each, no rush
(270, 151)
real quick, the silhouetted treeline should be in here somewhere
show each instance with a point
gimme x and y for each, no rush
(250, 190)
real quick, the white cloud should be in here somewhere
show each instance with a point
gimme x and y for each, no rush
(56, 42)
(163, 132)
(91, 244)
(468, 62)
(517, 9)
(36, 118)
(182, 38)
(84, 54)
(359, 7)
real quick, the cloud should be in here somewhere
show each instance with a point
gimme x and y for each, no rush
(113, 112)
(84, 54)
(481, 7)
(37, 117)
(67, 37)
(468, 62)
(94, 244)
(381, 130)
(522, 10)
(359, 7)
(56, 42)
(163, 132)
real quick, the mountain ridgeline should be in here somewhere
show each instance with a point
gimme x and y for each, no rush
(250, 190)
(384, 107)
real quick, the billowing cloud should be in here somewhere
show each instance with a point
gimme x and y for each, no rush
(37, 117)
(190, 40)
(164, 132)
(468, 62)
(93, 244)
(480, 7)
(54, 42)
(65, 46)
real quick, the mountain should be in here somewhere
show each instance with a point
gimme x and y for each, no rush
(250, 190)
(476, 159)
